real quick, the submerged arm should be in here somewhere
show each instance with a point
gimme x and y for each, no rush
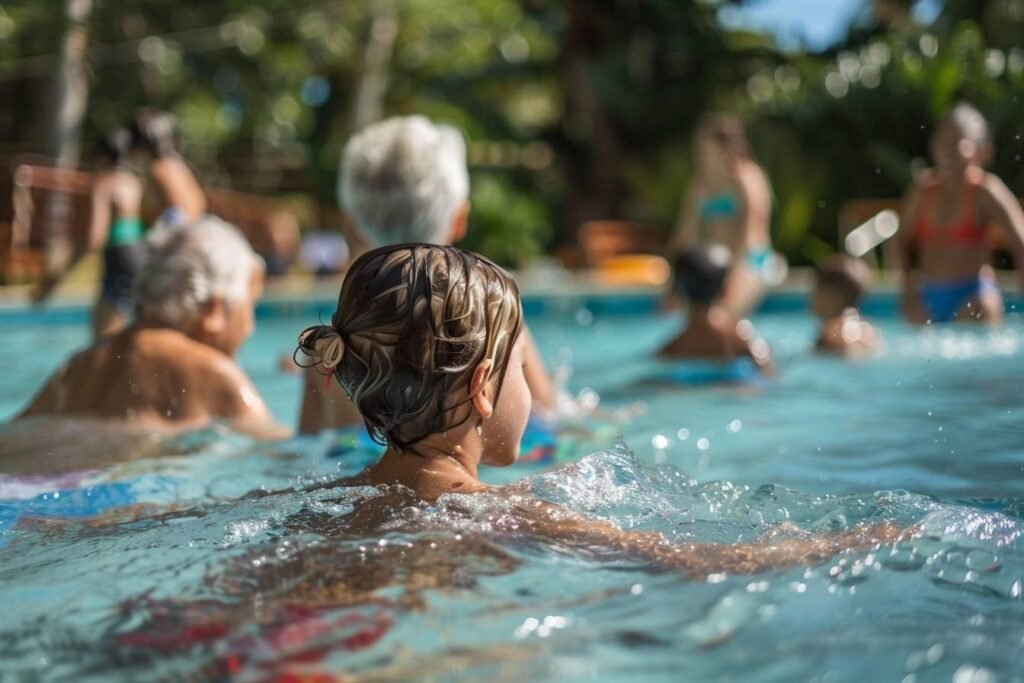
(698, 560)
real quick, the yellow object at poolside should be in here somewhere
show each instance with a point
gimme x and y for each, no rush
(633, 269)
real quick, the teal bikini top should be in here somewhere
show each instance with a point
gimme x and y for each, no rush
(719, 207)
(125, 231)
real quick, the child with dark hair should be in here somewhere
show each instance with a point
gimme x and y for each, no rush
(711, 332)
(840, 285)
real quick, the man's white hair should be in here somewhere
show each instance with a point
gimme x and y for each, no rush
(186, 267)
(403, 180)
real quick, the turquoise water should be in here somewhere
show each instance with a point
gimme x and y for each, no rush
(214, 578)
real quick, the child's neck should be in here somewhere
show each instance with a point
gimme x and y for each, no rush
(438, 465)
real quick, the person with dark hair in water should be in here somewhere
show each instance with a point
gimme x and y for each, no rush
(154, 135)
(838, 289)
(116, 228)
(712, 333)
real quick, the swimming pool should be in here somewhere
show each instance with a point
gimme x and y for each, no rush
(215, 582)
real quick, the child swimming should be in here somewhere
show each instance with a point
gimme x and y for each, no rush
(838, 289)
(711, 332)
(946, 260)
(427, 342)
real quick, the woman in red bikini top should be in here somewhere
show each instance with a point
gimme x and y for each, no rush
(945, 256)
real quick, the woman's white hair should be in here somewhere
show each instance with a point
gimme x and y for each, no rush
(403, 180)
(186, 267)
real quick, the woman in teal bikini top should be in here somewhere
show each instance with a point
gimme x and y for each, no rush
(729, 203)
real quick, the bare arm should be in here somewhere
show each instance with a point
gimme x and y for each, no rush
(759, 351)
(698, 560)
(99, 216)
(755, 203)
(1004, 211)
(179, 186)
(236, 402)
(324, 405)
(537, 378)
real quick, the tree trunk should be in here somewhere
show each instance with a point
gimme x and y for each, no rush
(71, 96)
(368, 103)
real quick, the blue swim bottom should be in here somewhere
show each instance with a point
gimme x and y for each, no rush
(703, 372)
(944, 299)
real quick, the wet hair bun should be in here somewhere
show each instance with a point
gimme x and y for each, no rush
(413, 323)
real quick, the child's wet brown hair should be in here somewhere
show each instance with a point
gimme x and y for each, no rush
(413, 323)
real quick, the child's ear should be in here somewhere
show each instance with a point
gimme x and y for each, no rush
(481, 390)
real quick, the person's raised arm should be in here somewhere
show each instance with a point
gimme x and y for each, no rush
(1005, 212)
(755, 200)
(234, 401)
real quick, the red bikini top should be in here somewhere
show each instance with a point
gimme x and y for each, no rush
(965, 230)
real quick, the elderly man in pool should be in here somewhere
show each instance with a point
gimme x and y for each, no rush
(405, 180)
(174, 367)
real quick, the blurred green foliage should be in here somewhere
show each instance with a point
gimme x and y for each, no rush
(573, 109)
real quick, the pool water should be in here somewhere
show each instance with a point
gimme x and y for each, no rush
(226, 559)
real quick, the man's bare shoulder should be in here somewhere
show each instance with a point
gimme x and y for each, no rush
(172, 353)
